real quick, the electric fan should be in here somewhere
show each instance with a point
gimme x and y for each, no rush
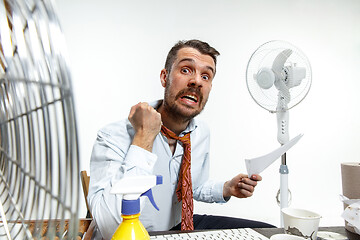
(278, 77)
(39, 164)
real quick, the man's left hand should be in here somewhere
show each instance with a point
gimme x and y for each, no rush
(241, 186)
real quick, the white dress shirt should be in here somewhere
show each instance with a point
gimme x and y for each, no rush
(114, 157)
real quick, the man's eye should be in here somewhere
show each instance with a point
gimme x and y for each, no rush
(205, 77)
(185, 70)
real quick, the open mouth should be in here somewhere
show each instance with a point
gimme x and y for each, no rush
(190, 97)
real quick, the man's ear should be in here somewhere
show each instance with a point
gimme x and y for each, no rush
(163, 77)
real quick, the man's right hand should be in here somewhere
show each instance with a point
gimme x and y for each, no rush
(147, 124)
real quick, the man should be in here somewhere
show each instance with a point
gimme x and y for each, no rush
(148, 143)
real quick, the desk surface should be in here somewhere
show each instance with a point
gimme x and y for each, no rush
(268, 232)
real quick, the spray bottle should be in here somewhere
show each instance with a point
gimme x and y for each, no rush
(132, 188)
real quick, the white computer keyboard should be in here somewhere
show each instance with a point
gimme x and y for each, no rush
(240, 233)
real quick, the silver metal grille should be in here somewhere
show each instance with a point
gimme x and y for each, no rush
(39, 163)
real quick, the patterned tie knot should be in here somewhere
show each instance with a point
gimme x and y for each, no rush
(170, 134)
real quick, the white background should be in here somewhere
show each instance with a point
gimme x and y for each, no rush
(117, 49)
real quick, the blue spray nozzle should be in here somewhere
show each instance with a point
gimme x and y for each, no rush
(159, 179)
(149, 194)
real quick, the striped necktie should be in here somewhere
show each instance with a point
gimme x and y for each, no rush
(184, 188)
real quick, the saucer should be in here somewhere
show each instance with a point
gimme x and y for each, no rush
(330, 236)
(285, 237)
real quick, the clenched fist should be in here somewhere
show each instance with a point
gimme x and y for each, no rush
(147, 124)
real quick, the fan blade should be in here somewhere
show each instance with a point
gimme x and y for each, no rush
(280, 60)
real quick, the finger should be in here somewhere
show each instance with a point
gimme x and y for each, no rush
(256, 177)
(245, 193)
(247, 187)
(242, 193)
(144, 105)
(241, 175)
(132, 110)
(248, 181)
(151, 109)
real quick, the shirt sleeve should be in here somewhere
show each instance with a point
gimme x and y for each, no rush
(205, 189)
(113, 157)
(209, 191)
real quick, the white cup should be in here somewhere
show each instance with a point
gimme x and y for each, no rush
(301, 222)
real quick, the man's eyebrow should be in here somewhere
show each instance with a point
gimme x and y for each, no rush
(187, 60)
(192, 60)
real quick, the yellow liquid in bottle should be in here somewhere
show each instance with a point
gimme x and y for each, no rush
(131, 229)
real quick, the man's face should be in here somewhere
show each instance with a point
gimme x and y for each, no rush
(188, 85)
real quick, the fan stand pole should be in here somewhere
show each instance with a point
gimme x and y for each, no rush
(284, 188)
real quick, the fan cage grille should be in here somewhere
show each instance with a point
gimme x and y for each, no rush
(264, 57)
(39, 162)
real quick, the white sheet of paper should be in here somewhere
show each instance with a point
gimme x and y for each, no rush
(259, 164)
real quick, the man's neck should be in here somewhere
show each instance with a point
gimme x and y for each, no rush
(175, 125)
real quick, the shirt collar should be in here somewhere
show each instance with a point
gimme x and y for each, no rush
(190, 127)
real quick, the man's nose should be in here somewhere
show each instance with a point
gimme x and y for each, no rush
(195, 80)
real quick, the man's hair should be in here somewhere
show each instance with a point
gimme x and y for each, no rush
(202, 47)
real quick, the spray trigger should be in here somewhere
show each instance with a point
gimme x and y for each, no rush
(149, 194)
